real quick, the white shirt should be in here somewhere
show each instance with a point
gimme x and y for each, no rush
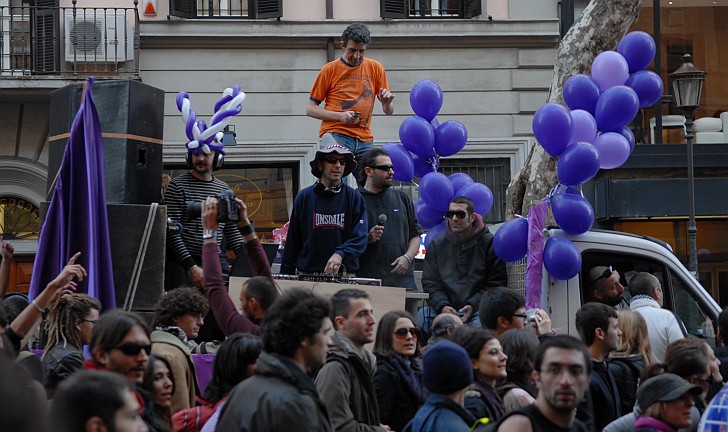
(662, 326)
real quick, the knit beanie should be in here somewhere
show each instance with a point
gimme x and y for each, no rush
(447, 368)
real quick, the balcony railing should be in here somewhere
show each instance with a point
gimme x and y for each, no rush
(74, 41)
(253, 9)
(430, 9)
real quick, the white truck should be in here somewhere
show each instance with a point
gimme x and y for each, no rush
(628, 254)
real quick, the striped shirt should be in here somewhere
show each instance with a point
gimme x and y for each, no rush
(186, 244)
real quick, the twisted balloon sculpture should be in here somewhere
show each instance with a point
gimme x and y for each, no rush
(204, 138)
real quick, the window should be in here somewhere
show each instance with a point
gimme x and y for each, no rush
(255, 9)
(431, 9)
(18, 219)
(677, 295)
(267, 191)
(494, 173)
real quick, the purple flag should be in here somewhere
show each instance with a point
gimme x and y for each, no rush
(536, 221)
(76, 220)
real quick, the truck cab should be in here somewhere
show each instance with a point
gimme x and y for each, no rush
(629, 254)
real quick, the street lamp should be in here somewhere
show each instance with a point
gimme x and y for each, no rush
(687, 81)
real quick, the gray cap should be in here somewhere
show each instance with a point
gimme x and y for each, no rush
(664, 388)
(327, 146)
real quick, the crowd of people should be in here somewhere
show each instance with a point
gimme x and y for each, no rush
(473, 359)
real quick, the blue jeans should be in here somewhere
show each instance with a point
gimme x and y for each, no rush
(357, 147)
(426, 314)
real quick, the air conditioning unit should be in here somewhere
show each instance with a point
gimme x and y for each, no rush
(98, 38)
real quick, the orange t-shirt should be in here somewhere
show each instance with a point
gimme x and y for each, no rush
(350, 88)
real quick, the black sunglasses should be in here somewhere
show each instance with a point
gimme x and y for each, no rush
(333, 160)
(384, 167)
(402, 333)
(133, 349)
(605, 274)
(461, 214)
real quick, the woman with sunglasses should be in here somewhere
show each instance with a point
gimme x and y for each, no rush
(70, 324)
(159, 381)
(398, 378)
(489, 366)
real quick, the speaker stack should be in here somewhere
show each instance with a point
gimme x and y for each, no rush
(132, 119)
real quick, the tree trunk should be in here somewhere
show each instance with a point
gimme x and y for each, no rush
(601, 26)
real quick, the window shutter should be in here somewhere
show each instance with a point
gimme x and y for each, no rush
(472, 8)
(183, 8)
(45, 37)
(393, 8)
(260, 9)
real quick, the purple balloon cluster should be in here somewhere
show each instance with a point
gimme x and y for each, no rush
(591, 134)
(423, 141)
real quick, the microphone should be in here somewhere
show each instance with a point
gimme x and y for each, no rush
(382, 219)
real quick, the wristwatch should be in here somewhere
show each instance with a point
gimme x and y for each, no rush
(208, 234)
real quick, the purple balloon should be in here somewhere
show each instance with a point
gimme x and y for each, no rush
(459, 181)
(436, 191)
(404, 166)
(450, 138)
(433, 233)
(417, 135)
(573, 213)
(510, 242)
(424, 166)
(552, 125)
(427, 216)
(581, 92)
(609, 69)
(585, 127)
(638, 49)
(613, 150)
(481, 195)
(615, 108)
(647, 85)
(578, 164)
(627, 132)
(435, 124)
(426, 99)
(561, 258)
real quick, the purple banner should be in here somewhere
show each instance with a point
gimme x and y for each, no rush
(534, 266)
(76, 219)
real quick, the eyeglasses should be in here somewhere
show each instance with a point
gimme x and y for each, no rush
(334, 160)
(133, 349)
(402, 333)
(384, 167)
(605, 274)
(461, 214)
(524, 316)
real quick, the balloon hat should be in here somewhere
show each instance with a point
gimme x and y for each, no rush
(208, 138)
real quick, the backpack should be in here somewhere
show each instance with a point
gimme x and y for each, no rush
(194, 418)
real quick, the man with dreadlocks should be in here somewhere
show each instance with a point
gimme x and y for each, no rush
(70, 324)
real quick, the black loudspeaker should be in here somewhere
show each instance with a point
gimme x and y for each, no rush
(132, 119)
(126, 229)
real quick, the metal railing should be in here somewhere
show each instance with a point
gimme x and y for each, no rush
(75, 41)
(434, 8)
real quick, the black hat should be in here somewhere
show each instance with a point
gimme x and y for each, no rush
(666, 387)
(328, 145)
(446, 368)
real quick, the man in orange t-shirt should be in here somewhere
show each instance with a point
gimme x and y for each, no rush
(348, 87)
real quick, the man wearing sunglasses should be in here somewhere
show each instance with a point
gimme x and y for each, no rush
(605, 286)
(390, 251)
(328, 229)
(345, 381)
(120, 344)
(459, 265)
